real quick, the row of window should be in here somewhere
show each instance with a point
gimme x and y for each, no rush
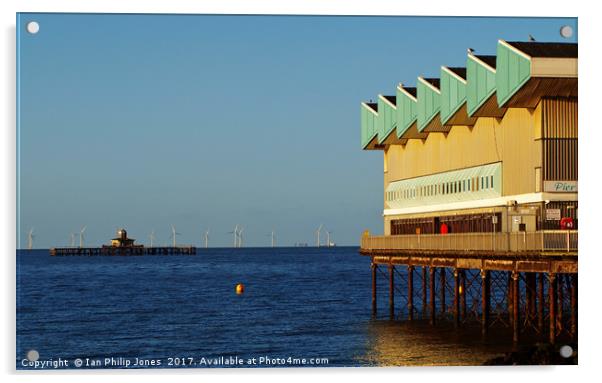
(444, 188)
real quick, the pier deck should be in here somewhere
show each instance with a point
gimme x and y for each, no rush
(525, 281)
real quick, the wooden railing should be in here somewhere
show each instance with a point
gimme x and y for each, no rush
(548, 240)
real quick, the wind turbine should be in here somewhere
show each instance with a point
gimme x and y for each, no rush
(30, 238)
(72, 239)
(318, 235)
(240, 236)
(207, 239)
(173, 235)
(81, 236)
(235, 232)
(328, 238)
(152, 237)
(272, 237)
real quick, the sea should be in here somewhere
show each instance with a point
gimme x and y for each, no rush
(301, 307)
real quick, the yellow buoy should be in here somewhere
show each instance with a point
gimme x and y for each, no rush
(240, 288)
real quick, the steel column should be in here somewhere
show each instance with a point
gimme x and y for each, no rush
(515, 307)
(552, 303)
(442, 290)
(574, 306)
(541, 301)
(485, 302)
(410, 292)
(456, 298)
(463, 294)
(391, 292)
(510, 298)
(432, 305)
(424, 283)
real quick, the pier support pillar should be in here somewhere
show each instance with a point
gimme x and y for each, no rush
(410, 292)
(552, 309)
(424, 289)
(442, 290)
(463, 294)
(515, 307)
(373, 267)
(485, 302)
(574, 306)
(510, 298)
(456, 297)
(391, 292)
(432, 305)
(560, 307)
(530, 297)
(541, 301)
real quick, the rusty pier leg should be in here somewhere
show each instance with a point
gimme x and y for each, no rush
(391, 292)
(424, 284)
(560, 306)
(456, 297)
(442, 290)
(374, 266)
(485, 302)
(552, 309)
(463, 294)
(515, 307)
(541, 302)
(530, 297)
(410, 292)
(573, 306)
(510, 298)
(432, 306)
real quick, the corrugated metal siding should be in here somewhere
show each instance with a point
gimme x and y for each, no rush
(560, 158)
(513, 70)
(429, 103)
(559, 117)
(453, 95)
(510, 140)
(480, 85)
(406, 112)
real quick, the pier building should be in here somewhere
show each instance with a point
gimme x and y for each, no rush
(480, 189)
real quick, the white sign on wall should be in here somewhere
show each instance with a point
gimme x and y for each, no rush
(560, 186)
(553, 214)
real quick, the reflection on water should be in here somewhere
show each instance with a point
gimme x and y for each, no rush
(400, 343)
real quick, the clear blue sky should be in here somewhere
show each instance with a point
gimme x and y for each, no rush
(143, 121)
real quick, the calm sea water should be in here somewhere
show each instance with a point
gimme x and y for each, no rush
(298, 303)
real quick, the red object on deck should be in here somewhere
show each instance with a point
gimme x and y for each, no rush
(443, 229)
(566, 223)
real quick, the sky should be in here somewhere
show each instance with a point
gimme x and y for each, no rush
(205, 122)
